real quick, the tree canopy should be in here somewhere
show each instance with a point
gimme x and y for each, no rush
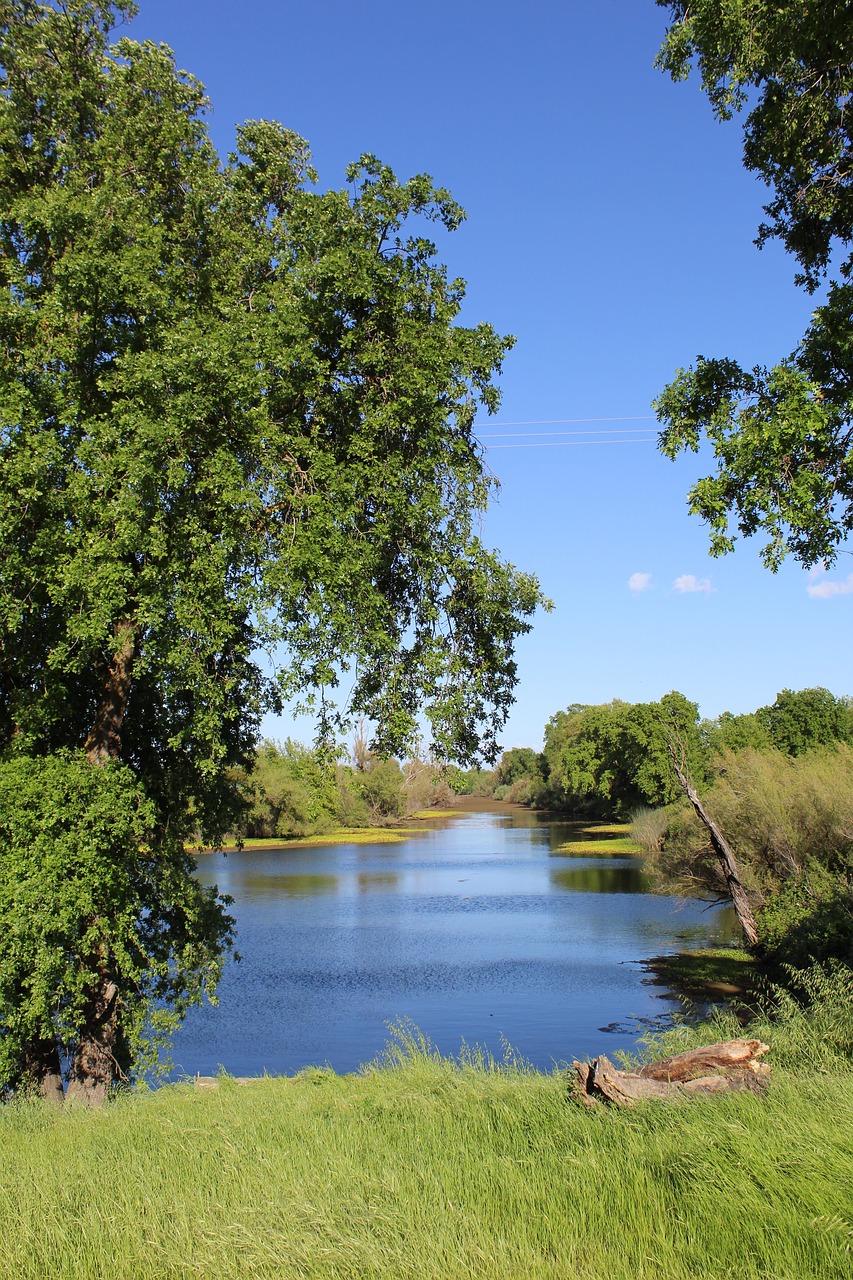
(613, 758)
(238, 468)
(803, 720)
(782, 436)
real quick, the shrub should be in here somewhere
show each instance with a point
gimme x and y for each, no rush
(789, 821)
(649, 826)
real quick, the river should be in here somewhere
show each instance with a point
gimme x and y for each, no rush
(476, 931)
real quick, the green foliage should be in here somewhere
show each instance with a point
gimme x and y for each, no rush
(736, 733)
(229, 398)
(808, 921)
(790, 823)
(519, 762)
(609, 759)
(235, 417)
(783, 459)
(520, 777)
(381, 787)
(781, 436)
(475, 782)
(293, 792)
(84, 895)
(800, 721)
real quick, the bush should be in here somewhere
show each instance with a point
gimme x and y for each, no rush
(427, 786)
(799, 926)
(380, 785)
(789, 821)
(82, 860)
(291, 792)
(476, 782)
(649, 826)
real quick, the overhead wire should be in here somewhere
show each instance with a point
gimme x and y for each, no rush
(553, 422)
(607, 435)
(554, 444)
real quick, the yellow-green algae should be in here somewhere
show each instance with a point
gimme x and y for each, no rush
(355, 835)
(608, 847)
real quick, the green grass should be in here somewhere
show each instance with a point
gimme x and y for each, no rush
(427, 1169)
(425, 814)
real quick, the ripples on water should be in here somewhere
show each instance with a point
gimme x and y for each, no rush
(478, 931)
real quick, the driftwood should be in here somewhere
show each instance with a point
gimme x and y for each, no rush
(731, 1064)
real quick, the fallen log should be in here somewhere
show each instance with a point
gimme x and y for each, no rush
(713, 1068)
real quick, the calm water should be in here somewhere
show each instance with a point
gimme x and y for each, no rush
(477, 931)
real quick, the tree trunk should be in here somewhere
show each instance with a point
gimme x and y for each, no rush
(715, 1068)
(95, 1064)
(94, 1067)
(103, 741)
(737, 893)
(42, 1070)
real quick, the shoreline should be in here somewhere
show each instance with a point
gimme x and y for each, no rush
(342, 835)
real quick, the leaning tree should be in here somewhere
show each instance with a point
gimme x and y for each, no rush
(237, 470)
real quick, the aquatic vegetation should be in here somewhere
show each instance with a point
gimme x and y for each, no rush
(607, 847)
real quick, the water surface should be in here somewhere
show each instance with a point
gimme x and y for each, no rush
(478, 932)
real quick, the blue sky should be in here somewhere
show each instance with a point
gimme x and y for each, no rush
(610, 228)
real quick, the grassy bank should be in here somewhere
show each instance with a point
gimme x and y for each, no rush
(343, 835)
(603, 840)
(394, 834)
(431, 1169)
(711, 973)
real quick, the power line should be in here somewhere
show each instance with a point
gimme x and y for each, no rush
(554, 444)
(554, 422)
(525, 435)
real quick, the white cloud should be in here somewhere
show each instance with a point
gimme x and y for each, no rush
(826, 587)
(640, 581)
(688, 582)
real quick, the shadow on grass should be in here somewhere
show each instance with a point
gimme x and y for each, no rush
(722, 975)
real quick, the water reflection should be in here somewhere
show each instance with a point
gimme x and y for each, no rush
(372, 881)
(593, 877)
(250, 883)
(474, 930)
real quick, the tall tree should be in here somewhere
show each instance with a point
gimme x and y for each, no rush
(616, 757)
(799, 721)
(235, 419)
(783, 436)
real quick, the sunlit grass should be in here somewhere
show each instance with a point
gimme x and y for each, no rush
(420, 1167)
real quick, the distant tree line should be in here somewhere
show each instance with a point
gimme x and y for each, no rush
(777, 781)
(293, 790)
(605, 761)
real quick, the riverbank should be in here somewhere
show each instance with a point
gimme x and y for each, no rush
(600, 839)
(390, 834)
(481, 926)
(425, 1169)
